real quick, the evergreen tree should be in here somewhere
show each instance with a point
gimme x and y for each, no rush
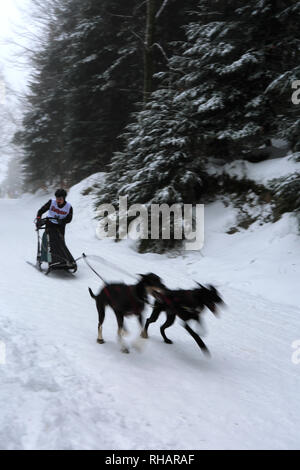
(105, 81)
(88, 77)
(106, 77)
(43, 136)
(75, 107)
(10, 168)
(234, 53)
(9, 117)
(214, 101)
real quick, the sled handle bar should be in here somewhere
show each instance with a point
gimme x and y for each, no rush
(44, 221)
(50, 218)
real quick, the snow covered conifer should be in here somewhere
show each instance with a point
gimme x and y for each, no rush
(213, 101)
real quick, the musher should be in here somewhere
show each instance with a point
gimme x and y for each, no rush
(60, 213)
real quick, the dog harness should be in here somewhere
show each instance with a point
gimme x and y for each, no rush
(136, 308)
(171, 302)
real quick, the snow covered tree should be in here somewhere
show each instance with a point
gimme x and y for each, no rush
(160, 162)
(106, 77)
(44, 133)
(233, 56)
(213, 101)
(88, 76)
(284, 53)
(12, 185)
(9, 117)
(10, 155)
(104, 80)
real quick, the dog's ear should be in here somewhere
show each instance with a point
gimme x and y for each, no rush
(212, 288)
(215, 292)
(145, 277)
(200, 285)
(149, 276)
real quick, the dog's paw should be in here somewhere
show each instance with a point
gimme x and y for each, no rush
(100, 341)
(138, 343)
(206, 352)
(144, 334)
(168, 341)
(125, 350)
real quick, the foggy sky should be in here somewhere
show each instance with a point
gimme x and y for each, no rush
(13, 21)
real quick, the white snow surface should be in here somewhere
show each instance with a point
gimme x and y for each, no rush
(62, 390)
(261, 172)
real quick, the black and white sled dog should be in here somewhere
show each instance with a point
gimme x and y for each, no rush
(126, 300)
(186, 305)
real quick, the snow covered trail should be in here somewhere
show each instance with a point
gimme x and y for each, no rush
(62, 390)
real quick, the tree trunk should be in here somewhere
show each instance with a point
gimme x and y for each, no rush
(148, 50)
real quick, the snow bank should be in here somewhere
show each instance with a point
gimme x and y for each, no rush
(263, 260)
(261, 172)
(62, 390)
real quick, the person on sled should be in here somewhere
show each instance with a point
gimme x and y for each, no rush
(60, 213)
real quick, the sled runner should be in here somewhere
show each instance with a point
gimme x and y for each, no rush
(52, 248)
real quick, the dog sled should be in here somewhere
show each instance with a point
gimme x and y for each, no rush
(52, 249)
